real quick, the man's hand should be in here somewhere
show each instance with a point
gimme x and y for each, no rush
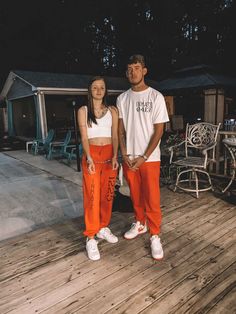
(136, 163)
(128, 162)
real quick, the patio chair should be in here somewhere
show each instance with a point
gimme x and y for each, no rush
(200, 142)
(230, 145)
(42, 145)
(59, 148)
(71, 153)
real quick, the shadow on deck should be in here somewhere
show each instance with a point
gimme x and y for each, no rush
(47, 270)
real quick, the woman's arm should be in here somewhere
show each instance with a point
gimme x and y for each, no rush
(82, 122)
(122, 141)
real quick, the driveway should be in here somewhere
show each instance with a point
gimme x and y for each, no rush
(35, 192)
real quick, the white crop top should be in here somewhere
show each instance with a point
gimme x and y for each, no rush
(102, 128)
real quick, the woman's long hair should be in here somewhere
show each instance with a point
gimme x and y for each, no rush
(91, 115)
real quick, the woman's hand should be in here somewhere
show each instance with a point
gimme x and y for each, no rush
(91, 166)
(114, 163)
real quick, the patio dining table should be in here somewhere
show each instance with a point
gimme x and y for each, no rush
(230, 144)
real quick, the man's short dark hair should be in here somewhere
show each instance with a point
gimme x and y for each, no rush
(136, 59)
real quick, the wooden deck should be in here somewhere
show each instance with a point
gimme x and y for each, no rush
(47, 271)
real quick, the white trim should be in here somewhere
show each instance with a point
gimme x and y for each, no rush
(20, 97)
(116, 91)
(7, 85)
(16, 75)
(77, 91)
(45, 89)
(9, 82)
(42, 114)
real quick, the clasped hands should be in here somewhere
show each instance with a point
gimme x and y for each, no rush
(135, 163)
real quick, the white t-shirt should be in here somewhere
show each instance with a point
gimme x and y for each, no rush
(140, 111)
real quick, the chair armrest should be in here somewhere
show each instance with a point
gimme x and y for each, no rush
(56, 144)
(205, 152)
(70, 147)
(173, 148)
(38, 141)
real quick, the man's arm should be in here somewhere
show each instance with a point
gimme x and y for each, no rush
(155, 139)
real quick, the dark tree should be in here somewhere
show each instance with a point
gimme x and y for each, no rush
(93, 37)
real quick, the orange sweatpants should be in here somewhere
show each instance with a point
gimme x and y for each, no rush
(98, 189)
(145, 194)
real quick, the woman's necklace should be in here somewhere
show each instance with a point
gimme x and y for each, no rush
(99, 113)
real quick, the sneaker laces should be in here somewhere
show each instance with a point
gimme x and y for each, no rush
(134, 225)
(92, 245)
(157, 242)
(137, 225)
(155, 238)
(107, 230)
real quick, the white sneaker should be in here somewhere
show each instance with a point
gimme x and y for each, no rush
(156, 247)
(106, 234)
(92, 249)
(135, 230)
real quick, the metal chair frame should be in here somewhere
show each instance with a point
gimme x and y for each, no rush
(200, 138)
(42, 144)
(230, 144)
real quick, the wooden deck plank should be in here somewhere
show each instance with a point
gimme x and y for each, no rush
(73, 237)
(69, 229)
(157, 273)
(48, 271)
(227, 304)
(220, 285)
(174, 251)
(168, 302)
(71, 280)
(37, 254)
(31, 268)
(141, 299)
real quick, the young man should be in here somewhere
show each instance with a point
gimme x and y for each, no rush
(142, 114)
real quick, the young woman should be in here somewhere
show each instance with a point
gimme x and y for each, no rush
(98, 124)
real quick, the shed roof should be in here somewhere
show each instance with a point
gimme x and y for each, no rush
(201, 76)
(58, 81)
(197, 77)
(64, 80)
(46, 81)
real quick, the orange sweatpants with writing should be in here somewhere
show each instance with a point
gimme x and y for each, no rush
(98, 189)
(145, 194)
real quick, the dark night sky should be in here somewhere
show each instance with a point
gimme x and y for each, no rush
(49, 35)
